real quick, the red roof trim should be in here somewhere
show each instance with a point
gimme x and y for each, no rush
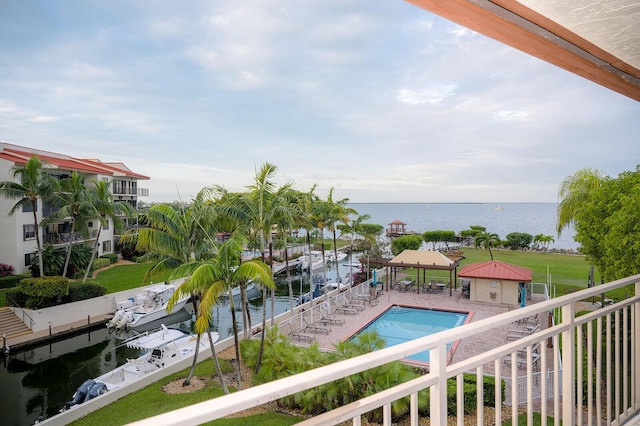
(19, 156)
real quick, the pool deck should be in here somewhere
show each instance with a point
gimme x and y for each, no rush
(466, 348)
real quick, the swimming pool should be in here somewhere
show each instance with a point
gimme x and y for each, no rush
(399, 324)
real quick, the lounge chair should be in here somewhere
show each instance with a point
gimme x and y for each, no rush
(343, 308)
(356, 304)
(315, 328)
(327, 316)
(522, 332)
(373, 296)
(299, 335)
(535, 355)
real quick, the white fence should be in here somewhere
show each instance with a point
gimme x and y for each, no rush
(611, 367)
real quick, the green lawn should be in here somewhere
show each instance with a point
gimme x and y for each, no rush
(565, 270)
(125, 277)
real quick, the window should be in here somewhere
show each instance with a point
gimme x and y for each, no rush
(29, 232)
(105, 225)
(29, 258)
(106, 246)
(28, 207)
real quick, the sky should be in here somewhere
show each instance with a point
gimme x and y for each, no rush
(378, 99)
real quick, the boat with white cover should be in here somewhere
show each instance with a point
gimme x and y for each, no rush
(147, 307)
(161, 349)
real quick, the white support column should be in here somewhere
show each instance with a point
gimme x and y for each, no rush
(568, 366)
(438, 393)
(635, 361)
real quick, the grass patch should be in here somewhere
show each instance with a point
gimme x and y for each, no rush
(152, 401)
(125, 277)
(565, 270)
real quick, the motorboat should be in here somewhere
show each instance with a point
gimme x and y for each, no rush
(161, 349)
(311, 261)
(343, 284)
(252, 291)
(144, 308)
(317, 292)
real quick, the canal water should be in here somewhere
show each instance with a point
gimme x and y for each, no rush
(37, 382)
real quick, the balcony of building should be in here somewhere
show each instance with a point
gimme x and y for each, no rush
(580, 369)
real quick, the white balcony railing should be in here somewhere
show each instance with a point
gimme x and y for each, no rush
(611, 367)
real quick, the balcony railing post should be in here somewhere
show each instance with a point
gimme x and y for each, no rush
(635, 361)
(438, 393)
(568, 365)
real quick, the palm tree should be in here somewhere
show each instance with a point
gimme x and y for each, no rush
(320, 219)
(210, 278)
(574, 192)
(487, 239)
(353, 229)
(264, 204)
(107, 209)
(35, 183)
(337, 213)
(180, 240)
(74, 201)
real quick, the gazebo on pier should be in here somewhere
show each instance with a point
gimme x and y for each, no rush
(396, 229)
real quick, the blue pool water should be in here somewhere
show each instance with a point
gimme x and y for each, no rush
(399, 324)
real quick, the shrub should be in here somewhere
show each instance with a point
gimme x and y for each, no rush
(113, 257)
(42, 288)
(83, 291)
(5, 270)
(518, 240)
(100, 263)
(16, 297)
(11, 280)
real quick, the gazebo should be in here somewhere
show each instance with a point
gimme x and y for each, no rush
(396, 228)
(496, 282)
(422, 260)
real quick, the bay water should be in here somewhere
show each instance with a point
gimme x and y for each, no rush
(500, 219)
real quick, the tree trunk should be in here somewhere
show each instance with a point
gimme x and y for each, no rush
(66, 261)
(93, 253)
(235, 339)
(273, 291)
(335, 253)
(34, 206)
(286, 267)
(262, 332)
(187, 381)
(214, 356)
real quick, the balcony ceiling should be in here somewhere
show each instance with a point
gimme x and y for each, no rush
(596, 39)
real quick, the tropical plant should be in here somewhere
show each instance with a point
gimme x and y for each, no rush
(607, 227)
(439, 236)
(108, 210)
(172, 238)
(265, 204)
(352, 229)
(337, 213)
(406, 242)
(486, 239)
(518, 240)
(212, 277)
(34, 183)
(542, 241)
(73, 201)
(574, 192)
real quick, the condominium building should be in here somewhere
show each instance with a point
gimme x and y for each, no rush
(18, 232)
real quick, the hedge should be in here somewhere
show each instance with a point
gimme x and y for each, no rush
(113, 257)
(100, 263)
(12, 280)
